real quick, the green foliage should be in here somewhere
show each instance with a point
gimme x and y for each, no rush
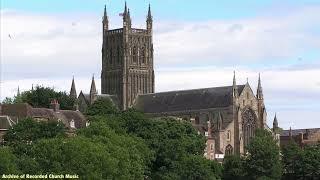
(310, 162)
(196, 167)
(102, 107)
(291, 160)
(41, 97)
(29, 130)
(7, 161)
(172, 142)
(89, 158)
(263, 159)
(233, 168)
(7, 100)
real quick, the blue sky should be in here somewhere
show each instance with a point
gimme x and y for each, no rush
(197, 44)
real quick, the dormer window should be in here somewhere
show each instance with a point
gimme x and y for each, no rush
(72, 125)
(206, 134)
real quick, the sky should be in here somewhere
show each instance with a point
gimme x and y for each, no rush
(196, 44)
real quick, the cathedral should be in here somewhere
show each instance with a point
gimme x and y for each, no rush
(227, 116)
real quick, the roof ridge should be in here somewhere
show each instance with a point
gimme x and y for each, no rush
(185, 90)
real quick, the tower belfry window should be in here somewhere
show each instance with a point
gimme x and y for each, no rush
(118, 55)
(110, 54)
(143, 56)
(135, 55)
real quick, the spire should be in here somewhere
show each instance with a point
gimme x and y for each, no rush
(234, 85)
(105, 20)
(125, 10)
(18, 93)
(126, 16)
(290, 132)
(259, 89)
(73, 92)
(149, 17)
(275, 122)
(93, 89)
(105, 11)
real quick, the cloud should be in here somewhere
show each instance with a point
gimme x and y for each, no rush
(253, 40)
(48, 49)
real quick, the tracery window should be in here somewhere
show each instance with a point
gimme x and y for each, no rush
(248, 126)
(229, 150)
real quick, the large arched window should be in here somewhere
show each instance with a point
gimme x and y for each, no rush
(229, 150)
(248, 126)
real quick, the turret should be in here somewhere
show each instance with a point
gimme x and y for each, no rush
(126, 18)
(149, 19)
(259, 89)
(93, 91)
(234, 87)
(105, 20)
(73, 92)
(261, 108)
(275, 122)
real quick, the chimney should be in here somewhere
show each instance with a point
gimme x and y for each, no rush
(55, 105)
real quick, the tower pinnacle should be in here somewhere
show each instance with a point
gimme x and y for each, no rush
(259, 89)
(93, 89)
(73, 92)
(275, 122)
(234, 86)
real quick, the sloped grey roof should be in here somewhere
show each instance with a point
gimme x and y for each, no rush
(25, 110)
(77, 116)
(295, 132)
(194, 99)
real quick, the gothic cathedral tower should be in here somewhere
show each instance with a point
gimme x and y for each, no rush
(127, 60)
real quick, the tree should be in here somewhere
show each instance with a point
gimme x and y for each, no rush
(308, 166)
(41, 97)
(233, 168)
(196, 167)
(87, 158)
(7, 161)
(102, 107)
(27, 131)
(291, 160)
(263, 159)
(173, 143)
(7, 100)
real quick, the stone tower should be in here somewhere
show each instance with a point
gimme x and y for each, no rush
(127, 60)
